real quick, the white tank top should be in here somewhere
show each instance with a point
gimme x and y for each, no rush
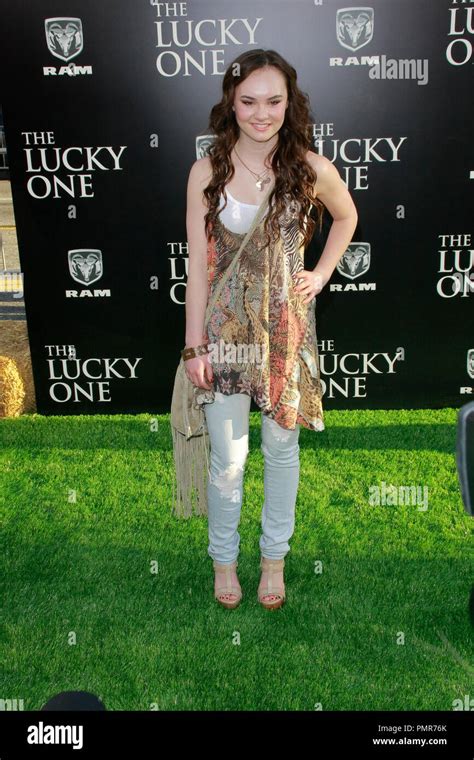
(237, 216)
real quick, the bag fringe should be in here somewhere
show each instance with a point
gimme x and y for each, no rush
(191, 472)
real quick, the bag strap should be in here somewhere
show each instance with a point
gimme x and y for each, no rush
(233, 264)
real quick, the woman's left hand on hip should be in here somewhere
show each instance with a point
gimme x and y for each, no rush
(309, 283)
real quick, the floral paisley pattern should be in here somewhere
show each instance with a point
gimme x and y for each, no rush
(259, 307)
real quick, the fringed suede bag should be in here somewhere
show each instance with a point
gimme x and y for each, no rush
(190, 436)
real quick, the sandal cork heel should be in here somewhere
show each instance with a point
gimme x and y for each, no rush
(270, 589)
(222, 593)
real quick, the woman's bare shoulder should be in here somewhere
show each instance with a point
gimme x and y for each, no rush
(201, 171)
(325, 170)
(318, 163)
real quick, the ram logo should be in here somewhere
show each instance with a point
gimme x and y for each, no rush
(355, 261)
(203, 143)
(355, 27)
(64, 37)
(470, 363)
(85, 265)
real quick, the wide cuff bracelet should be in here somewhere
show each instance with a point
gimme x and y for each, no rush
(190, 353)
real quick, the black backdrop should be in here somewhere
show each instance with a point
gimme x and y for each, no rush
(104, 262)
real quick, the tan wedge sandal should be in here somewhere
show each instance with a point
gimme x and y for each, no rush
(275, 592)
(222, 593)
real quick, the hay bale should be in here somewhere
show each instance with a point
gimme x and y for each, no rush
(15, 344)
(12, 389)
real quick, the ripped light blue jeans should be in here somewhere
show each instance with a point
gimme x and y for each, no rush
(228, 425)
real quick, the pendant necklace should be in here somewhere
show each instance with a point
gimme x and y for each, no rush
(260, 181)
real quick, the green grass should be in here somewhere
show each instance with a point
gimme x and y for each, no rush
(86, 511)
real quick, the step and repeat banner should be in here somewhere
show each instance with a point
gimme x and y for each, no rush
(106, 106)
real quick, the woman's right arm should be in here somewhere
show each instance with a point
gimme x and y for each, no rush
(197, 282)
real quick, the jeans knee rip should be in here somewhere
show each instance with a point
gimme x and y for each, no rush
(229, 481)
(281, 434)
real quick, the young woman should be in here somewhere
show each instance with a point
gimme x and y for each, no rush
(262, 141)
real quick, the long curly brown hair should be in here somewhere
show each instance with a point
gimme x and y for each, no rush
(294, 177)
